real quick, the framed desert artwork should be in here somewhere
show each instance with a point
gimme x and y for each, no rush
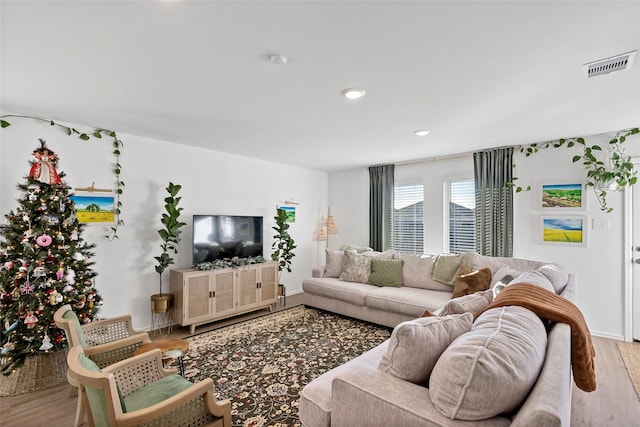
(95, 208)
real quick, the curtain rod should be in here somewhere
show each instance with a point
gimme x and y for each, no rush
(447, 157)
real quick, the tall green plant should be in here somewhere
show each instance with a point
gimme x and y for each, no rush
(170, 234)
(283, 244)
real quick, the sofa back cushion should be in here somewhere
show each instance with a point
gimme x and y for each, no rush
(417, 272)
(416, 345)
(466, 304)
(386, 272)
(357, 266)
(491, 369)
(494, 263)
(333, 263)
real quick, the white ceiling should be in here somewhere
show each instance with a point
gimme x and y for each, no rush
(478, 74)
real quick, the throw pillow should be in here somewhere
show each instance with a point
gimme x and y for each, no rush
(491, 369)
(504, 275)
(356, 267)
(536, 278)
(333, 264)
(557, 275)
(469, 283)
(355, 248)
(416, 345)
(386, 272)
(465, 304)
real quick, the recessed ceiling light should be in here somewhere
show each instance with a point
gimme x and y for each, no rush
(353, 93)
(421, 132)
(278, 59)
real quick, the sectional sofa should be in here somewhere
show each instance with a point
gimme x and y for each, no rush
(507, 367)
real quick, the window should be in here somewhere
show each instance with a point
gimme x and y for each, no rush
(461, 230)
(408, 218)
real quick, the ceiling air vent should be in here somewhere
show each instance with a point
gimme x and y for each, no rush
(609, 65)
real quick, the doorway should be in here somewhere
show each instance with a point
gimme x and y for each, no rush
(632, 255)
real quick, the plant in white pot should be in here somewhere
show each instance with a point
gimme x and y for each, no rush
(170, 236)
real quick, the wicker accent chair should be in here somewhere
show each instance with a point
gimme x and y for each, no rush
(105, 342)
(139, 391)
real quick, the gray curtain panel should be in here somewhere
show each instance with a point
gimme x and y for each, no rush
(381, 206)
(493, 169)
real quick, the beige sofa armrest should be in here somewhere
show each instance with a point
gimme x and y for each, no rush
(380, 399)
(549, 403)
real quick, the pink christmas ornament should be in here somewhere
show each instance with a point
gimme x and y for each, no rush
(43, 240)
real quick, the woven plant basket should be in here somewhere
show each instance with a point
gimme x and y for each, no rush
(38, 372)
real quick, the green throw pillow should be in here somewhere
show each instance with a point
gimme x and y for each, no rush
(386, 272)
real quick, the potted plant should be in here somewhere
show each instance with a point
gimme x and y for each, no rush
(170, 236)
(283, 245)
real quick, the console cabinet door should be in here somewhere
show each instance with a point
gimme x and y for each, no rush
(197, 297)
(268, 283)
(247, 284)
(225, 292)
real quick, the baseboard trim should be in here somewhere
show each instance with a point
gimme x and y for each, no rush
(617, 337)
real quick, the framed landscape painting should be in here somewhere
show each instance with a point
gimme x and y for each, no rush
(93, 208)
(563, 230)
(562, 196)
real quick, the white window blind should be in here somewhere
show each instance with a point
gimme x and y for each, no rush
(408, 219)
(461, 219)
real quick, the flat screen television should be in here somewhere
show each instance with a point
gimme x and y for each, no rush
(226, 236)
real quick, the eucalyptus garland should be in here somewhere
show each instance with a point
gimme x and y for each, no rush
(85, 136)
(234, 262)
(611, 174)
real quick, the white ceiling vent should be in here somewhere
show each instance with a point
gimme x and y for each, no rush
(609, 65)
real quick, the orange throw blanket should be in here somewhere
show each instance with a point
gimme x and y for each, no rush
(555, 308)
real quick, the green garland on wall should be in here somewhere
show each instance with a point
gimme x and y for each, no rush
(96, 133)
(611, 174)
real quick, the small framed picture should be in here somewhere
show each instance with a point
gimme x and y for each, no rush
(563, 196)
(95, 208)
(568, 230)
(291, 212)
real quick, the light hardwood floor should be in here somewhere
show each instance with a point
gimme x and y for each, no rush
(614, 403)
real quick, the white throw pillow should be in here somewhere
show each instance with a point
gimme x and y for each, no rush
(505, 274)
(556, 274)
(466, 304)
(491, 369)
(416, 345)
(536, 278)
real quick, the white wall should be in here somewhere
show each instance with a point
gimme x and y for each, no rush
(212, 183)
(599, 266)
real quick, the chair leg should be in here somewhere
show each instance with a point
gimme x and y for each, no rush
(79, 420)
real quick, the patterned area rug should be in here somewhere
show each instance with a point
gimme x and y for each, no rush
(630, 352)
(262, 364)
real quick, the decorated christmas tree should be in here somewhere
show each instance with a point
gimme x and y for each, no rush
(44, 263)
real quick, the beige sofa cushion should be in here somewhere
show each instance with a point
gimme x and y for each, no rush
(466, 304)
(491, 369)
(417, 272)
(416, 345)
(386, 272)
(556, 274)
(357, 266)
(535, 278)
(333, 263)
